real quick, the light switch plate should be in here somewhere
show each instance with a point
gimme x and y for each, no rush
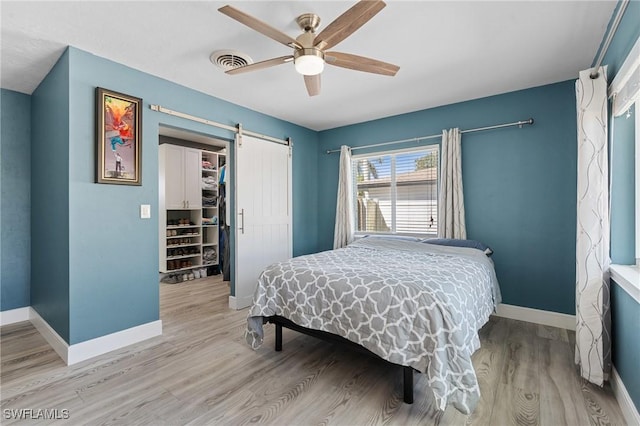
(145, 211)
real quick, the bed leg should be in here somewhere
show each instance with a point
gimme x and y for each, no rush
(278, 337)
(408, 384)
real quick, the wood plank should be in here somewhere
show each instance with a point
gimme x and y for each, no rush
(553, 333)
(561, 400)
(488, 361)
(518, 394)
(602, 407)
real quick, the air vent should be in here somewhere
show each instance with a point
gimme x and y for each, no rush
(229, 59)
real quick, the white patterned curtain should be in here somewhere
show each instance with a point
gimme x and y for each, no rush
(451, 201)
(593, 343)
(345, 223)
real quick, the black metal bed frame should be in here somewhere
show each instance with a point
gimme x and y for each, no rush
(280, 322)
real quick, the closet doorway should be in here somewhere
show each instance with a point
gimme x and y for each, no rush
(192, 206)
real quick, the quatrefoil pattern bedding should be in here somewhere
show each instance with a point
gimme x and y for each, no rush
(412, 304)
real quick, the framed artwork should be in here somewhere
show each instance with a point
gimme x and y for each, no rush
(119, 138)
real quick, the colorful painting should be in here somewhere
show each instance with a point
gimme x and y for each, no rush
(119, 138)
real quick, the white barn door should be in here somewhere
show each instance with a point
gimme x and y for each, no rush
(263, 212)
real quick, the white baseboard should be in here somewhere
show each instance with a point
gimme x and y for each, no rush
(537, 316)
(72, 354)
(103, 344)
(625, 402)
(50, 335)
(14, 315)
(240, 302)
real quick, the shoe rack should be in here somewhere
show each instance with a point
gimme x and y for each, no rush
(183, 241)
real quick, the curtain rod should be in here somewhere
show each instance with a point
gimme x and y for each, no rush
(235, 129)
(607, 41)
(420, 138)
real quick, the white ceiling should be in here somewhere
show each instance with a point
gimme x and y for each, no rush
(448, 51)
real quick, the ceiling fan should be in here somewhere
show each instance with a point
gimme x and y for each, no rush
(310, 50)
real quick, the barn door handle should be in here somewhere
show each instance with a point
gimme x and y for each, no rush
(242, 222)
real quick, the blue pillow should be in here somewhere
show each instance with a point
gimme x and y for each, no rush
(460, 243)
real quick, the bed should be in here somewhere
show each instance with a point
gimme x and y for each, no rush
(413, 304)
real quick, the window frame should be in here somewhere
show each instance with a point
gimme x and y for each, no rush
(394, 152)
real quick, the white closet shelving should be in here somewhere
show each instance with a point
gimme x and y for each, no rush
(188, 210)
(210, 223)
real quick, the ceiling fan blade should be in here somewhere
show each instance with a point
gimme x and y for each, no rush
(260, 65)
(313, 84)
(259, 26)
(347, 23)
(360, 63)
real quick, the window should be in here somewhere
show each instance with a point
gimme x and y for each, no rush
(397, 192)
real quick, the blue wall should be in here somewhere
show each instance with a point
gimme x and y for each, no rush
(519, 185)
(15, 199)
(625, 311)
(50, 198)
(94, 261)
(113, 280)
(625, 317)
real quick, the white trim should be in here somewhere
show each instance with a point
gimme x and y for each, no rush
(628, 278)
(240, 303)
(537, 316)
(12, 316)
(628, 408)
(630, 64)
(94, 347)
(50, 335)
(103, 344)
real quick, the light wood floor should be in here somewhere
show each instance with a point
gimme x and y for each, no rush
(201, 371)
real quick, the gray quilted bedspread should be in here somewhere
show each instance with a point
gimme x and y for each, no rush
(413, 304)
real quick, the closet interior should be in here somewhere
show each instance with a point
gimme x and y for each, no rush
(192, 207)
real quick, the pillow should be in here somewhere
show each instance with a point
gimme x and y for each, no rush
(460, 243)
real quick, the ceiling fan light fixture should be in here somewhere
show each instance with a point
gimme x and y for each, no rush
(309, 49)
(309, 65)
(309, 61)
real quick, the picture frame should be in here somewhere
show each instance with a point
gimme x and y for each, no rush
(118, 138)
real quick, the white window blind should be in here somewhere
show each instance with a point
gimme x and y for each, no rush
(397, 192)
